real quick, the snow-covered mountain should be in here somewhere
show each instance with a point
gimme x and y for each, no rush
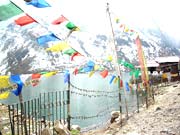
(20, 52)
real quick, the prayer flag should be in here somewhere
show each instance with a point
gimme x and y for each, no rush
(104, 73)
(70, 26)
(60, 20)
(24, 20)
(58, 47)
(112, 78)
(16, 79)
(42, 40)
(69, 51)
(38, 3)
(9, 10)
(4, 81)
(4, 95)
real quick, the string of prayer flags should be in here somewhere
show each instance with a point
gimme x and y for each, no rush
(60, 20)
(4, 95)
(17, 80)
(42, 40)
(24, 20)
(4, 81)
(35, 77)
(38, 3)
(58, 47)
(104, 73)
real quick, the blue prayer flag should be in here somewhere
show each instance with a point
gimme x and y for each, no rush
(127, 86)
(112, 79)
(16, 79)
(42, 40)
(66, 76)
(38, 3)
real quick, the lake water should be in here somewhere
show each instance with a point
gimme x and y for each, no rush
(95, 107)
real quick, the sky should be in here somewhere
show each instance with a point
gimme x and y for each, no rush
(91, 15)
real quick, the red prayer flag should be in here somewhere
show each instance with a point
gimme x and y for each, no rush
(35, 78)
(75, 54)
(121, 83)
(24, 20)
(104, 73)
(60, 20)
(76, 71)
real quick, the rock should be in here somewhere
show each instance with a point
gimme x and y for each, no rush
(46, 131)
(75, 127)
(158, 108)
(115, 114)
(61, 129)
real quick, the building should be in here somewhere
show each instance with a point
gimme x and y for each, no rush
(169, 65)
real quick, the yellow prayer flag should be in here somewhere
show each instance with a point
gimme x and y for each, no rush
(110, 58)
(96, 67)
(4, 95)
(126, 29)
(58, 47)
(91, 73)
(115, 79)
(77, 29)
(49, 74)
(4, 81)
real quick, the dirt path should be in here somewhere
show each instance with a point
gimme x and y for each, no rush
(162, 118)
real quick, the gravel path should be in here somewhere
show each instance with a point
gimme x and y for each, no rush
(161, 118)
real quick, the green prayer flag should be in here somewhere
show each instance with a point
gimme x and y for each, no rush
(9, 10)
(69, 51)
(70, 25)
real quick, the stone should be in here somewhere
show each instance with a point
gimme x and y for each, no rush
(158, 108)
(60, 128)
(75, 127)
(46, 131)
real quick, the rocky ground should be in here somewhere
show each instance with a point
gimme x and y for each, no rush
(161, 118)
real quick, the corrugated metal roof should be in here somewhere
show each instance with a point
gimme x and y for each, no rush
(167, 59)
(152, 63)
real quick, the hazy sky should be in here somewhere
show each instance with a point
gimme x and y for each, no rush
(91, 15)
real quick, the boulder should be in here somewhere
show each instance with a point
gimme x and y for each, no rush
(46, 131)
(60, 128)
(75, 127)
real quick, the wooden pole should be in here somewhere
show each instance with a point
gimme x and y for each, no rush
(116, 57)
(137, 94)
(68, 105)
(22, 113)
